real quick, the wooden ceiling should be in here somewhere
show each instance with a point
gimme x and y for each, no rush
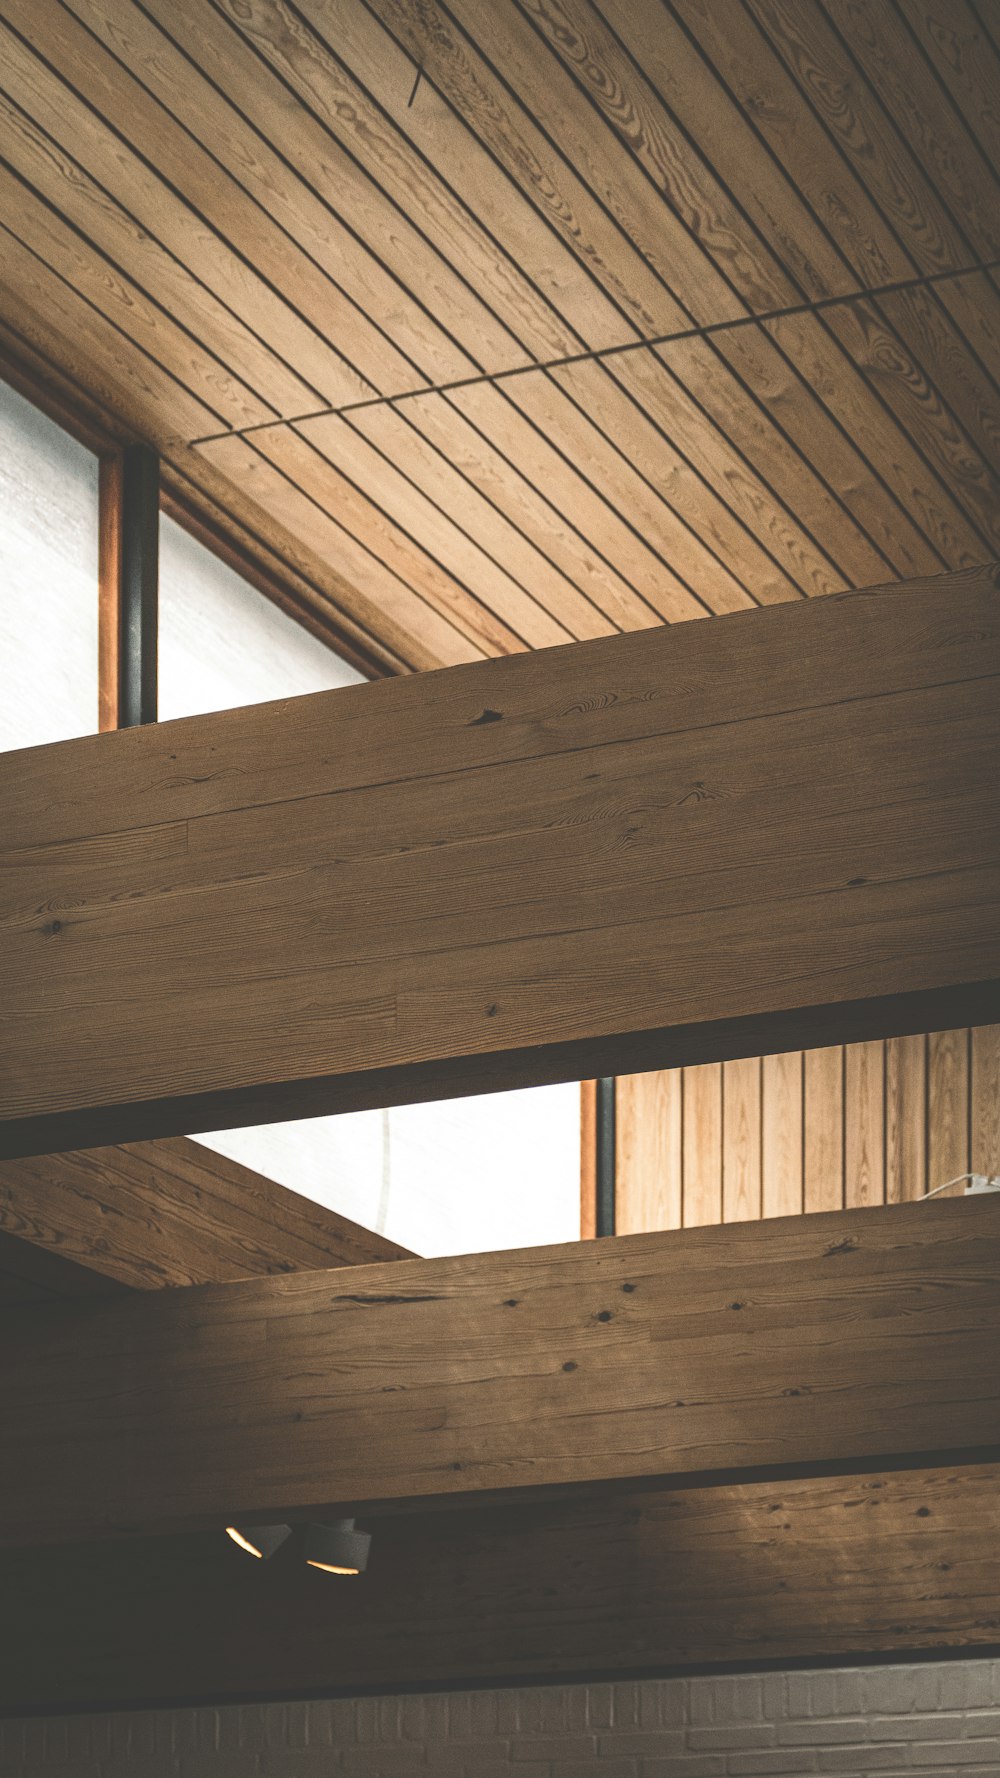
(506, 322)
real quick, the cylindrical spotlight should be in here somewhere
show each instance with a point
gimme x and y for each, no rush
(259, 1540)
(337, 1548)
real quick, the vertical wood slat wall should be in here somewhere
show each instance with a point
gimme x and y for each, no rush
(862, 1123)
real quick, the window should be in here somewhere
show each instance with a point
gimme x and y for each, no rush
(48, 579)
(222, 643)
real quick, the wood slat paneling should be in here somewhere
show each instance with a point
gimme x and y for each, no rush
(226, 216)
(862, 1335)
(879, 1124)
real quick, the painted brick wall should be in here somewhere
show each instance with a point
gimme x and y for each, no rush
(886, 1722)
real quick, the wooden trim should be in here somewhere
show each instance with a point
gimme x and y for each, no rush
(815, 1570)
(172, 1213)
(109, 590)
(864, 1336)
(510, 929)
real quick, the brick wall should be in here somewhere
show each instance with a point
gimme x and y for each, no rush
(875, 1723)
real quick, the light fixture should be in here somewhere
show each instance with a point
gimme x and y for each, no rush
(337, 1548)
(259, 1540)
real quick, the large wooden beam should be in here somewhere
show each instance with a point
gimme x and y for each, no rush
(831, 1569)
(174, 1212)
(777, 828)
(856, 1336)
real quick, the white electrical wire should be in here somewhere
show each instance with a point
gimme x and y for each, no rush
(943, 1188)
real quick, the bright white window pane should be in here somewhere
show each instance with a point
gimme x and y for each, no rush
(463, 1176)
(48, 579)
(222, 643)
(456, 1176)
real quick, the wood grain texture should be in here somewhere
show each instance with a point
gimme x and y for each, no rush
(648, 1134)
(174, 1213)
(861, 1335)
(823, 1129)
(868, 1148)
(573, 803)
(864, 1123)
(781, 1132)
(835, 1569)
(701, 1145)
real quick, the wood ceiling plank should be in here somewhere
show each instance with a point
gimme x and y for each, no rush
(460, 68)
(500, 480)
(741, 1139)
(750, 66)
(652, 484)
(906, 1118)
(147, 326)
(823, 1131)
(460, 553)
(965, 60)
(673, 163)
(974, 306)
(985, 1107)
(899, 381)
(886, 53)
(379, 600)
(947, 1106)
(648, 1164)
(374, 534)
(864, 1124)
(701, 1144)
(212, 508)
(639, 525)
(254, 278)
(662, 387)
(781, 1134)
(172, 1213)
(863, 133)
(484, 892)
(513, 435)
(567, 310)
(832, 549)
(833, 353)
(764, 189)
(863, 1337)
(822, 1569)
(411, 301)
(924, 325)
(320, 80)
(61, 323)
(433, 472)
(99, 213)
(832, 455)
(727, 498)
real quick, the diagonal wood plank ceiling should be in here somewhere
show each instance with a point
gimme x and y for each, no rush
(507, 322)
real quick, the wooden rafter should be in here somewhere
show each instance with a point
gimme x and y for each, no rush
(169, 1213)
(567, 863)
(857, 1337)
(826, 1569)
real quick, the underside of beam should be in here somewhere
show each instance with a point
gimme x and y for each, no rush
(817, 1569)
(754, 1349)
(778, 827)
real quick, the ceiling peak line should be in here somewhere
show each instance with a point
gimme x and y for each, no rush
(599, 353)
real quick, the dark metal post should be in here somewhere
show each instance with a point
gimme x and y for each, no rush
(138, 584)
(606, 1157)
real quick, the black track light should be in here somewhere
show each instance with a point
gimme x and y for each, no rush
(337, 1548)
(259, 1540)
